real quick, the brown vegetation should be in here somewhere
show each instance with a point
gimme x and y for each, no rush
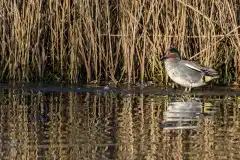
(119, 41)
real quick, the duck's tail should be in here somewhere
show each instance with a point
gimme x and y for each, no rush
(210, 75)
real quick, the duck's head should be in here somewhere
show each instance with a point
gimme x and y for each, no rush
(172, 53)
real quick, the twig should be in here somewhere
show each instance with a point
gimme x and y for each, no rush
(197, 11)
(216, 42)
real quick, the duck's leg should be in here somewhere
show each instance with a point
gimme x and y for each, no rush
(188, 89)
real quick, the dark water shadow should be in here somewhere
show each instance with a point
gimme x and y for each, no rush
(40, 87)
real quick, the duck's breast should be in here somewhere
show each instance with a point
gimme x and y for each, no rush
(183, 75)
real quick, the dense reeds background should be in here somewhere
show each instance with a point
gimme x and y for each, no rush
(117, 40)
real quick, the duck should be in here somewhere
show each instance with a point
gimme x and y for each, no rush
(189, 74)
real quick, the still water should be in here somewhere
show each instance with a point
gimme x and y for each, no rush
(59, 122)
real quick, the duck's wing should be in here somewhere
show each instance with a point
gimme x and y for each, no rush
(186, 73)
(197, 67)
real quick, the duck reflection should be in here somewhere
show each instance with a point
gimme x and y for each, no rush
(186, 115)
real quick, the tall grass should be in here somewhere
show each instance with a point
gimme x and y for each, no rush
(118, 41)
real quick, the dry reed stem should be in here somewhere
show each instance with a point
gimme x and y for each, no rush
(223, 37)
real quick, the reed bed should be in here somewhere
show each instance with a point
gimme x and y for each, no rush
(117, 41)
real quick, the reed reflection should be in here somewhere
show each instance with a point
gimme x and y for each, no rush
(112, 125)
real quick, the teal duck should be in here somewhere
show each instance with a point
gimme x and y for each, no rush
(187, 73)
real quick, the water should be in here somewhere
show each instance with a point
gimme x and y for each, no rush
(69, 122)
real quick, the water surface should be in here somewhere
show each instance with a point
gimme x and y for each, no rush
(70, 122)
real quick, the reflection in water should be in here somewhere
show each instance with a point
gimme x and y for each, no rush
(185, 115)
(71, 125)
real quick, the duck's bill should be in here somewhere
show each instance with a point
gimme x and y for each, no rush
(163, 58)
